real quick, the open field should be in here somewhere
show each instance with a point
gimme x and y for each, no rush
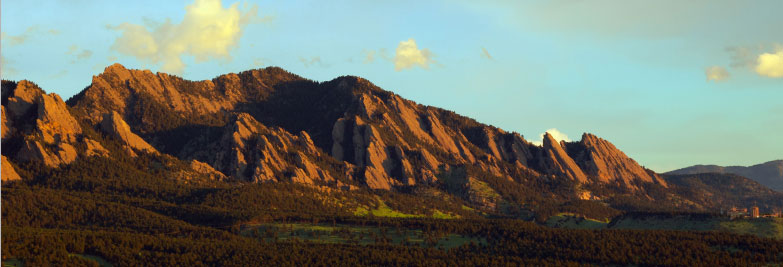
(352, 234)
(763, 227)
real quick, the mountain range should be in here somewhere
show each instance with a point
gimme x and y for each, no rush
(271, 126)
(769, 173)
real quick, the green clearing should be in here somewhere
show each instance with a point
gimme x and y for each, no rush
(764, 227)
(101, 261)
(570, 221)
(352, 234)
(383, 210)
(12, 263)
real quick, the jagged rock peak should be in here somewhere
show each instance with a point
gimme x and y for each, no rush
(21, 97)
(601, 159)
(114, 124)
(557, 161)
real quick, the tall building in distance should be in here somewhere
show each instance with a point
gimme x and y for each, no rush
(754, 212)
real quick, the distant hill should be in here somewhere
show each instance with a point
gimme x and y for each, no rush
(769, 173)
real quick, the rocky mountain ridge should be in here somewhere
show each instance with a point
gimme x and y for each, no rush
(268, 125)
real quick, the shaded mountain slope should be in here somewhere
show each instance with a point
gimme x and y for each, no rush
(769, 173)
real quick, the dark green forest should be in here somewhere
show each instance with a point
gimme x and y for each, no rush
(111, 210)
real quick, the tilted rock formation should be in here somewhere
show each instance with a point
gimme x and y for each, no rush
(602, 160)
(250, 151)
(22, 98)
(114, 125)
(51, 138)
(8, 172)
(6, 131)
(556, 161)
(55, 123)
(61, 153)
(95, 149)
(204, 169)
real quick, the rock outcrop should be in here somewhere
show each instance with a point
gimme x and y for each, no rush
(554, 160)
(52, 155)
(55, 124)
(250, 151)
(114, 125)
(602, 160)
(204, 169)
(5, 127)
(8, 172)
(52, 136)
(22, 98)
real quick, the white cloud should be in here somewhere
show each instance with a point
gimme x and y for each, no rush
(208, 31)
(716, 73)
(409, 55)
(556, 134)
(770, 64)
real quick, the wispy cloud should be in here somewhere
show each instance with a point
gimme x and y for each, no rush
(208, 31)
(716, 73)
(6, 68)
(72, 49)
(485, 54)
(30, 32)
(371, 56)
(85, 54)
(312, 61)
(408, 55)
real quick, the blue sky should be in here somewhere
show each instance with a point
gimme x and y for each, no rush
(671, 83)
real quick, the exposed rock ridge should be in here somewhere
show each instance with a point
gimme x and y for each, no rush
(8, 173)
(251, 151)
(556, 161)
(52, 137)
(114, 124)
(601, 159)
(117, 87)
